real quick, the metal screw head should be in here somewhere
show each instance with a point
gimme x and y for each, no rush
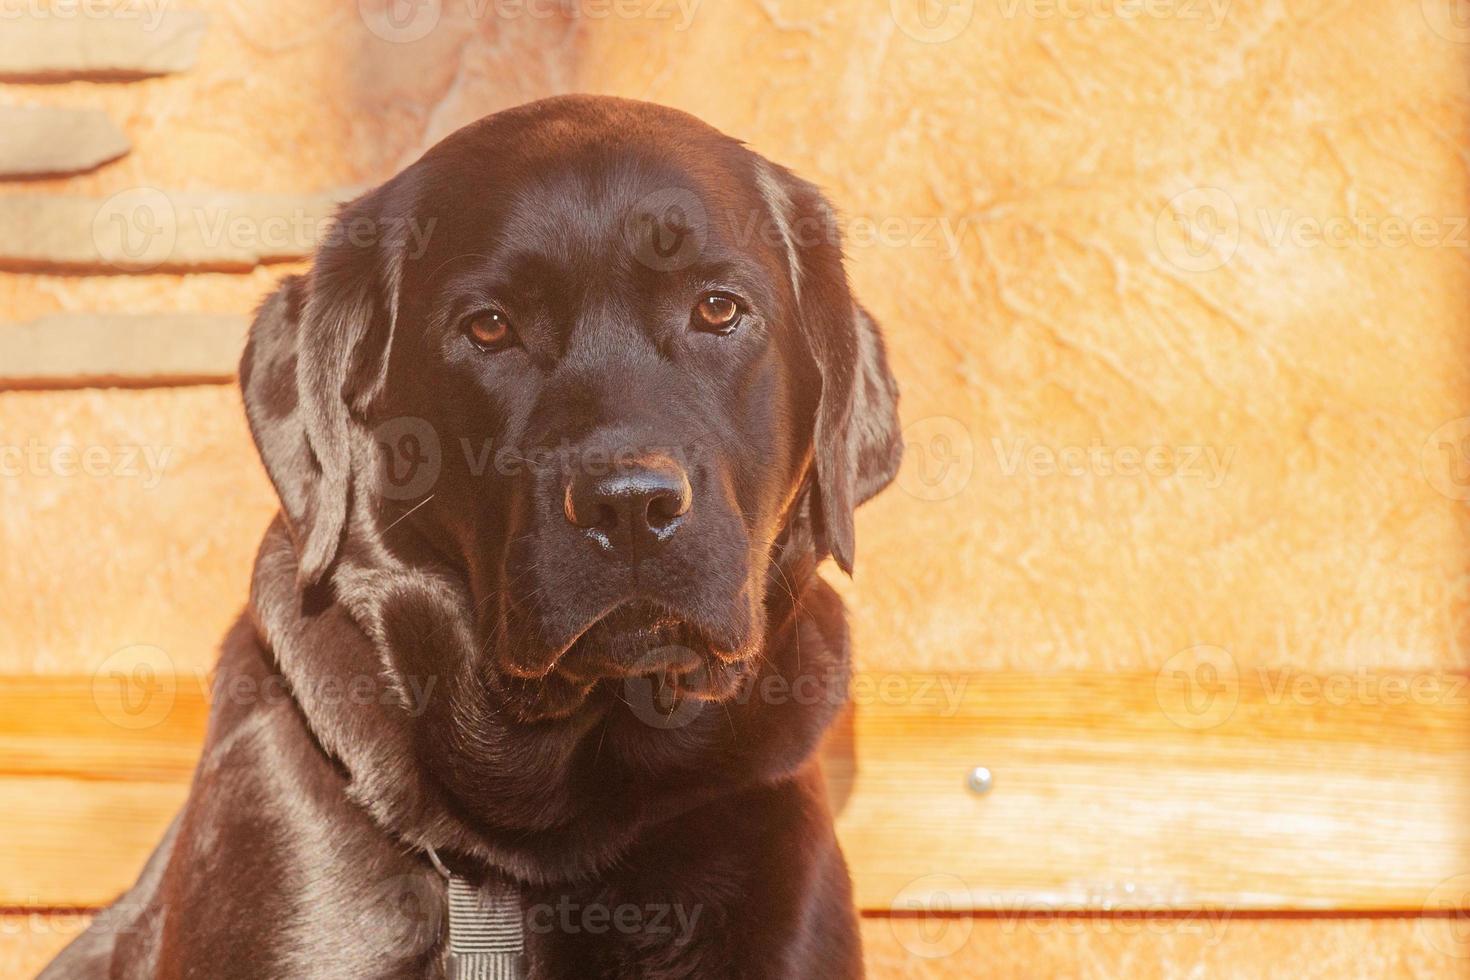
(980, 780)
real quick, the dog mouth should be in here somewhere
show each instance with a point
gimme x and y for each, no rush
(638, 651)
(632, 639)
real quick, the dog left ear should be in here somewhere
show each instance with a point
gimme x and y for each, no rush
(857, 444)
(315, 361)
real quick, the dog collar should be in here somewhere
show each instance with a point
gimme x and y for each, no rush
(487, 939)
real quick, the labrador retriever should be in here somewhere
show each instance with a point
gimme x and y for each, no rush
(562, 421)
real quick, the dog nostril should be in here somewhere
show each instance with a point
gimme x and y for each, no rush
(666, 507)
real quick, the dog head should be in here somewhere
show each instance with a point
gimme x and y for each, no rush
(596, 368)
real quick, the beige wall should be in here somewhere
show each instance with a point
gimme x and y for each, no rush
(1064, 311)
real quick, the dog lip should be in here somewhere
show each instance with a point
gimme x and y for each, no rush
(666, 640)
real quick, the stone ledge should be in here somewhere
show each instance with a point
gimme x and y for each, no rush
(144, 229)
(38, 141)
(56, 48)
(72, 349)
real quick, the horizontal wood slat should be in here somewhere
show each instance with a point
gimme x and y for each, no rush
(83, 348)
(1101, 947)
(1133, 791)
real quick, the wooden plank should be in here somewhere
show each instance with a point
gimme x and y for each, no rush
(38, 141)
(91, 348)
(1111, 790)
(1143, 948)
(73, 843)
(1103, 947)
(144, 229)
(50, 46)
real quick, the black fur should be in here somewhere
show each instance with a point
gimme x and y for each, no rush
(629, 737)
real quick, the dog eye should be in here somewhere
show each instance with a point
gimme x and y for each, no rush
(489, 330)
(717, 313)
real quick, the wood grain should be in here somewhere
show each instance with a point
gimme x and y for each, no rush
(1141, 949)
(1124, 792)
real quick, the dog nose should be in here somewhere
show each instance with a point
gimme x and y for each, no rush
(636, 507)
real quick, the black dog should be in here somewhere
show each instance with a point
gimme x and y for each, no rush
(562, 421)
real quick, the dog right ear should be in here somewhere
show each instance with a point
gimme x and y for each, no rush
(315, 360)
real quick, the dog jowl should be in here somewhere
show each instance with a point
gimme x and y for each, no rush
(555, 475)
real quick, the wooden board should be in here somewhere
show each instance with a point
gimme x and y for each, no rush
(1103, 948)
(1111, 791)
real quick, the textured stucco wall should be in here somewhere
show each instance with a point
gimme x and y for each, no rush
(1090, 230)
